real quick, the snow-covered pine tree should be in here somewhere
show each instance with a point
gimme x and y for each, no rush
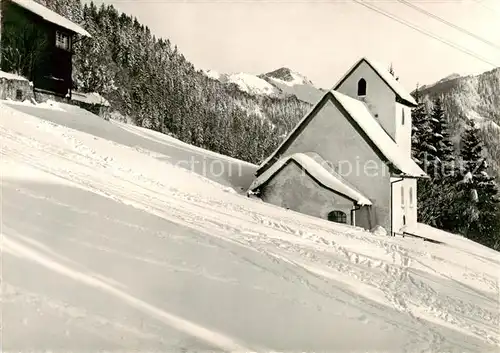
(424, 155)
(433, 151)
(421, 133)
(479, 201)
(444, 158)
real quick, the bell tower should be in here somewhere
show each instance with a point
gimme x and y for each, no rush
(384, 96)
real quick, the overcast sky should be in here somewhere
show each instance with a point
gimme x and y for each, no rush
(322, 38)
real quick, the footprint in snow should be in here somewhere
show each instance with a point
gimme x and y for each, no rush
(363, 319)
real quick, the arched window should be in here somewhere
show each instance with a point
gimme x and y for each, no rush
(411, 196)
(362, 87)
(337, 216)
(402, 196)
(403, 116)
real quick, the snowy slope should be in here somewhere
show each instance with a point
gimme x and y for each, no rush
(221, 169)
(108, 247)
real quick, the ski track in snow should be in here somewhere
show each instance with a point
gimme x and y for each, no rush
(211, 337)
(13, 294)
(385, 272)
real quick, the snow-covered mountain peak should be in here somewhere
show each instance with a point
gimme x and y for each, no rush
(245, 82)
(282, 82)
(290, 82)
(288, 76)
(252, 84)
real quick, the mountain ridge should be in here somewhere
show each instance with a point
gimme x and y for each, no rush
(448, 78)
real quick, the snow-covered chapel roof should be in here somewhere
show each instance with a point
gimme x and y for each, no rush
(319, 170)
(387, 146)
(386, 76)
(51, 16)
(373, 131)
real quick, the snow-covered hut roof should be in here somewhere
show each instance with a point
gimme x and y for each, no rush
(319, 170)
(90, 98)
(51, 16)
(361, 115)
(386, 76)
(10, 76)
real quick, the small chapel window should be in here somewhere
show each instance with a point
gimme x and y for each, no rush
(337, 216)
(411, 197)
(402, 196)
(362, 87)
(403, 116)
